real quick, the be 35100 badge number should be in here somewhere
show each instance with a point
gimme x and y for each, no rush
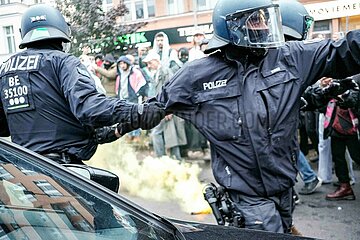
(16, 93)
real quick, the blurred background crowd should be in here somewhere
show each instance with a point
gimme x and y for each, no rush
(140, 75)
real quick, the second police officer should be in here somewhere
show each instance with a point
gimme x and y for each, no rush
(49, 102)
(245, 99)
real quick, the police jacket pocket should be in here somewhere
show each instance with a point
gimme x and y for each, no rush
(260, 217)
(217, 113)
(275, 79)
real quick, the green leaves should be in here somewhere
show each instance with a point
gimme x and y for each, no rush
(91, 25)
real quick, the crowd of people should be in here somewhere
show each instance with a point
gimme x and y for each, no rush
(139, 76)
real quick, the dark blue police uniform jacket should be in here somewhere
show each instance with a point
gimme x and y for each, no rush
(250, 116)
(49, 103)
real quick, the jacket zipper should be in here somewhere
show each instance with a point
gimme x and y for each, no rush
(250, 137)
(227, 169)
(268, 121)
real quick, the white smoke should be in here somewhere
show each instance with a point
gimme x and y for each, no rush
(152, 178)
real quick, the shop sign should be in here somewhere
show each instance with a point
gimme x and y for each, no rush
(333, 9)
(181, 34)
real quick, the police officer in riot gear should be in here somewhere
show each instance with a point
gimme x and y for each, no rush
(245, 99)
(49, 102)
(296, 21)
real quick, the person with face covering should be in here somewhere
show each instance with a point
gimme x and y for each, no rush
(107, 73)
(183, 57)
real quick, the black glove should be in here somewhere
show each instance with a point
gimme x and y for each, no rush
(349, 100)
(105, 135)
(338, 87)
(144, 116)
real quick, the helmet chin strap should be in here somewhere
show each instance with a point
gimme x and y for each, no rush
(245, 55)
(258, 52)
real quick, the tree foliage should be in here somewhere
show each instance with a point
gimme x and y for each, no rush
(91, 25)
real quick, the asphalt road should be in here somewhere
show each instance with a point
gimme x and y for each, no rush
(314, 216)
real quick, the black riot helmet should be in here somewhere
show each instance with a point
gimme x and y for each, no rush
(183, 54)
(296, 20)
(246, 23)
(43, 22)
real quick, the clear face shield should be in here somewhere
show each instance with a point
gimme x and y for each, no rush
(259, 28)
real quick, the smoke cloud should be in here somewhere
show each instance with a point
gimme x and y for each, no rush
(159, 179)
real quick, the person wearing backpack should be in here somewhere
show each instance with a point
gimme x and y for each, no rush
(342, 125)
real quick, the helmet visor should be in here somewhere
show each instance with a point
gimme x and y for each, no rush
(259, 28)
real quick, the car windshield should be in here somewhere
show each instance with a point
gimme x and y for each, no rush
(40, 203)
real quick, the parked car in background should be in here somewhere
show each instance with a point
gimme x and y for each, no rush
(40, 199)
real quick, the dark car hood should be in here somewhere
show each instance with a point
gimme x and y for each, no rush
(196, 231)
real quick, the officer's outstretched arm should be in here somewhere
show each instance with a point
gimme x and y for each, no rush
(144, 116)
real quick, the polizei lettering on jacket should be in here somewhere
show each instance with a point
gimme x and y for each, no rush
(20, 63)
(215, 84)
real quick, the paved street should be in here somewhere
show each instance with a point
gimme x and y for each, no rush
(314, 216)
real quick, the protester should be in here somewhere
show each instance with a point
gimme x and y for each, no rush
(195, 51)
(99, 59)
(130, 86)
(86, 60)
(341, 123)
(161, 46)
(170, 133)
(309, 177)
(108, 74)
(183, 57)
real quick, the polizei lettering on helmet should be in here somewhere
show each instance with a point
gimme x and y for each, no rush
(20, 63)
(215, 84)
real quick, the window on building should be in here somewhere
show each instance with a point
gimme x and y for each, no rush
(175, 6)
(139, 9)
(322, 27)
(205, 4)
(47, 188)
(71, 213)
(10, 39)
(5, 175)
(38, 1)
(24, 194)
(151, 8)
(4, 2)
(28, 172)
(128, 16)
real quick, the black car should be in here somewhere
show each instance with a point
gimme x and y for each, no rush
(40, 199)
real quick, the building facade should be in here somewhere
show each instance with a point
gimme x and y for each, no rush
(10, 21)
(179, 19)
